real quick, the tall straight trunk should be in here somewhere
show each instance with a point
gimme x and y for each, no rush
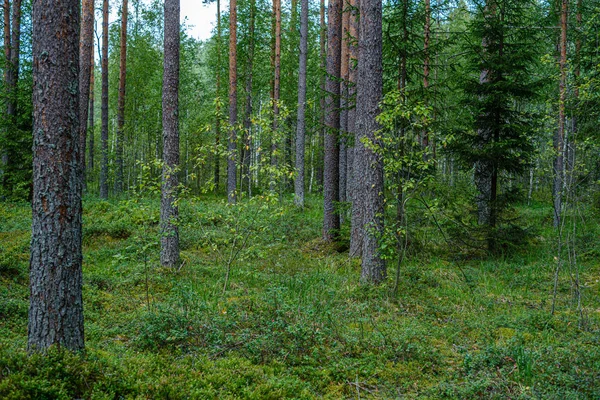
(356, 223)
(572, 147)
(121, 100)
(86, 58)
(426, 37)
(55, 277)
(331, 188)
(370, 183)
(276, 88)
(559, 137)
(91, 114)
(484, 171)
(322, 69)
(169, 212)
(217, 170)
(247, 146)
(402, 82)
(301, 122)
(6, 20)
(345, 60)
(104, 106)
(232, 142)
(13, 66)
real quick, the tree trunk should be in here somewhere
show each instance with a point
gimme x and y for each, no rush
(104, 106)
(356, 223)
(247, 146)
(559, 137)
(86, 59)
(232, 142)
(276, 90)
(301, 123)
(169, 212)
(121, 100)
(331, 188)
(217, 171)
(344, 70)
(426, 36)
(12, 79)
(6, 12)
(484, 169)
(322, 66)
(91, 114)
(56, 305)
(370, 183)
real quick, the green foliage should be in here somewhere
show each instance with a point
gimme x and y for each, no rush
(294, 321)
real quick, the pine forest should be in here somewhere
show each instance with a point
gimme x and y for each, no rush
(342, 199)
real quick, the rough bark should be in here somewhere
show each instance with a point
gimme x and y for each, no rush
(91, 115)
(232, 141)
(301, 122)
(86, 58)
(169, 211)
(331, 188)
(370, 183)
(104, 105)
(247, 145)
(559, 137)
(121, 100)
(56, 305)
(344, 71)
(354, 164)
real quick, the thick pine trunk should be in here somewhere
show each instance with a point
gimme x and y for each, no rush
(169, 212)
(121, 101)
(301, 122)
(232, 141)
(370, 183)
(559, 137)
(56, 305)
(104, 105)
(331, 188)
(86, 58)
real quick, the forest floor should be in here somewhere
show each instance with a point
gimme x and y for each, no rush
(293, 321)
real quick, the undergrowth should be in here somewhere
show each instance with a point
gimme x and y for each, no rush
(292, 321)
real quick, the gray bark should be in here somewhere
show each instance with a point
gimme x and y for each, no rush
(56, 305)
(121, 101)
(331, 172)
(369, 184)
(232, 141)
(104, 106)
(301, 126)
(169, 212)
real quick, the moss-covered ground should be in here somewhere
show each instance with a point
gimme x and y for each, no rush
(293, 320)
